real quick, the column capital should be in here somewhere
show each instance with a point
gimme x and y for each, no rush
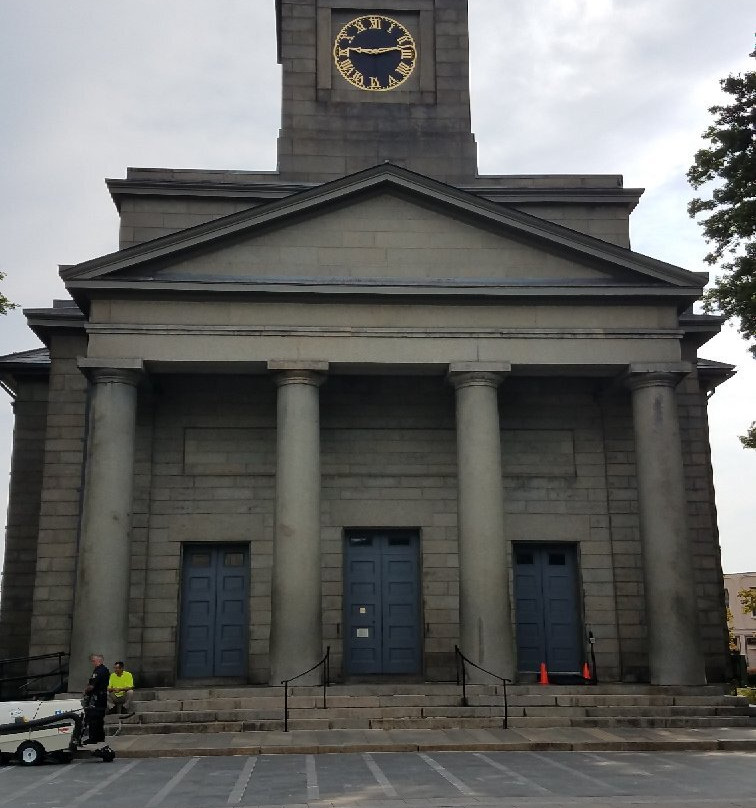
(299, 371)
(655, 374)
(477, 374)
(125, 370)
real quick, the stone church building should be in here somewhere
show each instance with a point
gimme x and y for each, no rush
(371, 401)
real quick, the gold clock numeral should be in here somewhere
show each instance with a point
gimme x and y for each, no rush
(404, 69)
(374, 83)
(376, 22)
(359, 25)
(392, 82)
(408, 54)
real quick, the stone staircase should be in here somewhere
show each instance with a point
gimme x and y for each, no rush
(430, 706)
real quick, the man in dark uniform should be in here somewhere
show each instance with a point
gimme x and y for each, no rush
(96, 699)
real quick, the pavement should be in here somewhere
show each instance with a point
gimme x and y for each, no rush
(563, 739)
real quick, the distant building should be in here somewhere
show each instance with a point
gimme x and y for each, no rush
(372, 401)
(744, 625)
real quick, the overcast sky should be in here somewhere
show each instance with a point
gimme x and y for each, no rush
(89, 87)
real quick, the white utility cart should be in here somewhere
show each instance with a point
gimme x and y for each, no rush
(31, 730)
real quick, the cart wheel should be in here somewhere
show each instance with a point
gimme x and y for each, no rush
(63, 757)
(30, 753)
(107, 754)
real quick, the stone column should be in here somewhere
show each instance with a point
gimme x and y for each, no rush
(296, 637)
(675, 655)
(485, 619)
(101, 602)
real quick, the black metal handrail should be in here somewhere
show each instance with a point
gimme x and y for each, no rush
(326, 663)
(461, 661)
(60, 671)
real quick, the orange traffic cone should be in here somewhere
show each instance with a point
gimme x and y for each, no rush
(543, 677)
(586, 672)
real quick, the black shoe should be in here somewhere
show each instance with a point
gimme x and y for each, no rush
(112, 711)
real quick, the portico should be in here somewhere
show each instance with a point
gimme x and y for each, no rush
(480, 469)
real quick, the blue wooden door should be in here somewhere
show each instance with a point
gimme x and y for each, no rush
(382, 603)
(549, 625)
(214, 596)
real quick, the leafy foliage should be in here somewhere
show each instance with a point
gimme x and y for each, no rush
(747, 598)
(732, 640)
(749, 439)
(5, 304)
(730, 226)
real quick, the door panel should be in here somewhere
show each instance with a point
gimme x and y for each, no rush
(214, 597)
(549, 626)
(382, 604)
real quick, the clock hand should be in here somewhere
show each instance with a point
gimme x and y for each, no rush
(374, 51)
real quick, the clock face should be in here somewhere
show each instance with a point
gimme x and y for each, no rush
(375, 53)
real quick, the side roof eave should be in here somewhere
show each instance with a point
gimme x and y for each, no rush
(382, 177)
(23, 365)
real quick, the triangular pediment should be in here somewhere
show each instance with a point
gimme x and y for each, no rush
(385, 227)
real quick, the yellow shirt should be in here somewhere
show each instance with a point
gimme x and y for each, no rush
(122, 683)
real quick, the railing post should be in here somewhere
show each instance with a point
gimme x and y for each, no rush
(464, 684)
(286, 705)
(326, 674)
(506, 704)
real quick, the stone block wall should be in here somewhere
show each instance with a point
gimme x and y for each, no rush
(624, 527)
(702, 527)
(608, 222)
(61, 497)
(577, 501)
(389, 460)
(146, 218)
(22, 526)
(206, 473)
(331, 129)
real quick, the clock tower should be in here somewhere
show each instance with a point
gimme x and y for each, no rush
(374, 81)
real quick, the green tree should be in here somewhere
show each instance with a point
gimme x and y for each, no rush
(729, 163)
(747, 598)
(5, 304)
(732, 640)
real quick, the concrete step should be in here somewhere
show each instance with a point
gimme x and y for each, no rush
(429, 706)
(688, 722)
(544, 699)
(680, 710)
(438, 722)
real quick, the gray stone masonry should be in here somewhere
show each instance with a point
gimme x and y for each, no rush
(60, 501)
(388, 459)
(331, 128)
(394, 706)
(703, 533)
(155, 202)
(205, 471)
(22, 526)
